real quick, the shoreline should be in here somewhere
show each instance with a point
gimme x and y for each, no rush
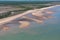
(9, 19)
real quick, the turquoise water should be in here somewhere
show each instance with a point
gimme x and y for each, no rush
(49, 30)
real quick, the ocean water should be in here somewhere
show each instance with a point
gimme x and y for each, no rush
(49, 30)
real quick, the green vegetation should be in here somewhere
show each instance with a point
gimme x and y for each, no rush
(6, 15)
(23, 6)
(22, 2)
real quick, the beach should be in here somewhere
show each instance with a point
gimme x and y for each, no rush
(9, 19)
(38, 13)
(49, 30)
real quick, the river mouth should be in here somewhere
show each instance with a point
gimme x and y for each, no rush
(49, 30)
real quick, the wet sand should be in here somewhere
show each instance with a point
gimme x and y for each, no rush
(24, 24)
(9, 19)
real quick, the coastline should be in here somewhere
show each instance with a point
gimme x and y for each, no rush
(9, 19)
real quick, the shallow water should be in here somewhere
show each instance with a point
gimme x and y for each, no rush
(49, 30)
